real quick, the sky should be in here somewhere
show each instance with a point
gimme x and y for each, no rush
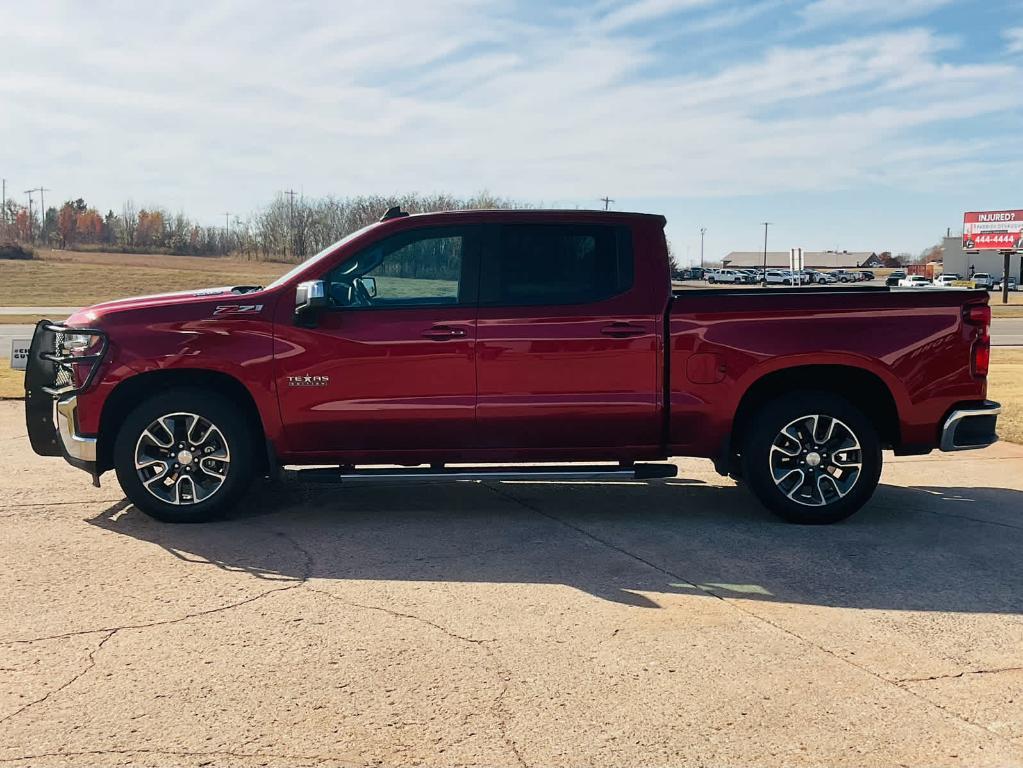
(849, 124)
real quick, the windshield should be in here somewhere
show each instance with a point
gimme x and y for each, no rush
(312, 259)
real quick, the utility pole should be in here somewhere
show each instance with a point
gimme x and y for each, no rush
(3, 203)
(703, 231)
(42, 209)
(227, 232)
(291, 219)
(29, 193)
(766, 225)
(606, 200)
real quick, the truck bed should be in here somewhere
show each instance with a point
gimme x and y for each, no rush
(911, 344)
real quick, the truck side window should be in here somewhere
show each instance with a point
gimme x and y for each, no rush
(556, 264)
(411, 269)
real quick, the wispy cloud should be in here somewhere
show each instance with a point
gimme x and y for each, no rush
(638, 11)
(1014, 40)
(225, 103)
(822, 12)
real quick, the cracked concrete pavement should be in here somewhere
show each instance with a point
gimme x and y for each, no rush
(513, 624)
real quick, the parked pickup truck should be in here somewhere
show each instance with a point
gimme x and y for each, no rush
(508, 338)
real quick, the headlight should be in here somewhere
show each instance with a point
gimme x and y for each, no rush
(77, 344)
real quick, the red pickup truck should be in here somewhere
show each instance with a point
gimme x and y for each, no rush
(509, 338)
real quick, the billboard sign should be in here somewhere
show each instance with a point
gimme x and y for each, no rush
(993, 230)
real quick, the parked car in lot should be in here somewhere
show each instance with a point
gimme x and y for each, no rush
(867, 274)
(915, 281)
(893, 279)
(983, 280)
(778, 277)
(946, 279)
(998, 284)
(844, 276)
(486, 338)
(733, 276)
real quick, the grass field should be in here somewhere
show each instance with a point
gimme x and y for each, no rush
(1013, 309)
(1005, 385)
(12, 383)
(70, 279)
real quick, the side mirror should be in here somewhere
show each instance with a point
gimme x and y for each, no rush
(369, 284)
(310, 297)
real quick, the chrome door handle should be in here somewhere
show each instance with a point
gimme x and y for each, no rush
(622, 330)
(441, 332)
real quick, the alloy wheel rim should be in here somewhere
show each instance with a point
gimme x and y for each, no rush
(816, 460)
(182, 458)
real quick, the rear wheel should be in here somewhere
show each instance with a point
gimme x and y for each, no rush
(185, 455)
(812, 458)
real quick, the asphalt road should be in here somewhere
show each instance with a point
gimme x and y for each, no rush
(9, 333)
(1004, 332)
(513, 624)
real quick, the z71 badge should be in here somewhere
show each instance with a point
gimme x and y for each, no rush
(308, 381)
(238, 309)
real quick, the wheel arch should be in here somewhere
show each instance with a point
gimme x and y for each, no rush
(135, 389)
(863, 388)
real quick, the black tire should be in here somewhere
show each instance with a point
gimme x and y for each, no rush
(811, 497)
(231, 430)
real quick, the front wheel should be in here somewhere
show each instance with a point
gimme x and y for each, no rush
(185, 455)
(812, 458)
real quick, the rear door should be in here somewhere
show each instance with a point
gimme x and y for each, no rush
(390, 366)
(567, 340)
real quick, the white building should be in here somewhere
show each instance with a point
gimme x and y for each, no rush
(956, 261)
(811, 259)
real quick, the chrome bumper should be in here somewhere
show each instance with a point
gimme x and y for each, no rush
(75, 446)
(970, 428)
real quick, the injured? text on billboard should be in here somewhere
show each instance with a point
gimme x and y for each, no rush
(993, 230)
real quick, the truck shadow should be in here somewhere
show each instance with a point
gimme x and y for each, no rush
(914, 549)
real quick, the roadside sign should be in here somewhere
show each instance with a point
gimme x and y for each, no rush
(963, 284)
(19, 353)
(796, 264)
(993, 230)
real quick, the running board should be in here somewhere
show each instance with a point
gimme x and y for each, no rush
(544, 472)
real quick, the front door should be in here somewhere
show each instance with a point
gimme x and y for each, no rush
(390, 366)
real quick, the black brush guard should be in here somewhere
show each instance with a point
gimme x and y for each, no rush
(49, 377)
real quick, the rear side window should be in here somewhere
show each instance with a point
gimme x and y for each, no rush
(536, 264)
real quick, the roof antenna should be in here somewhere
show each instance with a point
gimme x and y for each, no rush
(394, 212)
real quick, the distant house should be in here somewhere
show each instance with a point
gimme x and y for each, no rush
(883, 260)
(811, 259)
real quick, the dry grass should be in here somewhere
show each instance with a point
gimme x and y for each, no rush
(12, 383)
(1013, 309)
(24, 319)
(1005, 384)
(70, 279)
